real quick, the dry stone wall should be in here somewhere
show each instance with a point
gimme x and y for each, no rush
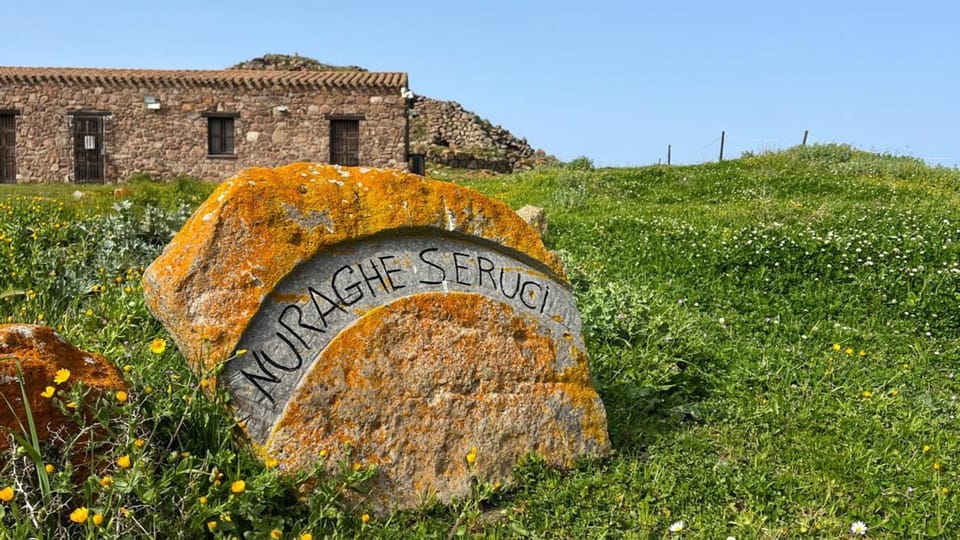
(290, 62)
(450, 135)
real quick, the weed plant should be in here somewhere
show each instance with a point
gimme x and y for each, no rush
(775, 339)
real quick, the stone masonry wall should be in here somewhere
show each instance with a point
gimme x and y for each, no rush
(450, 135)
(172, 141)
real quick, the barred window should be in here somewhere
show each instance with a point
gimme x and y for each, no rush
(220, 135)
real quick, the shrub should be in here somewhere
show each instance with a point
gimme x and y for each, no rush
(581, 163)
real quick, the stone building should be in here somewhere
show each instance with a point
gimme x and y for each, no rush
(104, 125)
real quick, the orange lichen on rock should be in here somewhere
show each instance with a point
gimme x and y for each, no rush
(417, 383)
(45, 357)
(259, 225)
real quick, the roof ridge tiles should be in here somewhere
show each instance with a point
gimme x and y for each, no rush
(250, 78)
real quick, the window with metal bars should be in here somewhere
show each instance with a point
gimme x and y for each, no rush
(220, 135)
(88, 148)
(8, 148)
(345, 142)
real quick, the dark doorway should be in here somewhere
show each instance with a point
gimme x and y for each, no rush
(88, 149)
(8, 149)
(345, 142)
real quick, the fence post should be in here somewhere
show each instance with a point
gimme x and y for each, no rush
(805, 132)
(723, 135)
(669, 149)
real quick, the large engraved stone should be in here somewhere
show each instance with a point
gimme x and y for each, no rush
(401, 319)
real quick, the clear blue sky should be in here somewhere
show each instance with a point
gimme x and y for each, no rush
(616, 81)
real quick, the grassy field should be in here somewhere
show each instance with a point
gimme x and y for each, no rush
(775, 339)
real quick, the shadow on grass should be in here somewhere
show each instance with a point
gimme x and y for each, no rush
(639, 416)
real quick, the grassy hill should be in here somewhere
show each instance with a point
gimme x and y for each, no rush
(775, 339)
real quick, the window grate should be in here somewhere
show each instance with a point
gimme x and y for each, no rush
(220, 136)
(88, 151)
(345, 142)
(8, 149)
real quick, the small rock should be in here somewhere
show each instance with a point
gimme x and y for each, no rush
(536, 217)
(41, 353)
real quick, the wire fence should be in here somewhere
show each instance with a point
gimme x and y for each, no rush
(714, 150)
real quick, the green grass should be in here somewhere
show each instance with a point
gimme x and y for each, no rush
(712, 295)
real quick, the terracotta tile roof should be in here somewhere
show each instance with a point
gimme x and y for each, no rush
(188, 78)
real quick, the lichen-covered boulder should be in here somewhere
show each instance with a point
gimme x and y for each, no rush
(406, 321)
(49, 364)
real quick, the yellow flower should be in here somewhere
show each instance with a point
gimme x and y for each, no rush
(944, 490)
(365, 518)
(836, 346)
(6, 494)
(139, 443)
(323, 453)
(863, 352)
(157, 346)
(936, 466)
(238, 486)
(357, 466)
(124, 461)
(72, 405)
(472, 456)
(211, 526)
(306, 536)
(89, 313)
(61, 376)
(98, 519)
(124, 512)
(271, 463)
(121, 396)
(202, 500)
(867, 394)
(276, 534)
(926, 448)
(49, 468)
(241, 352)
(79, 515)
(848, 351)
(127, 368)
(894, 392)
(106, 481)
(48, 392)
